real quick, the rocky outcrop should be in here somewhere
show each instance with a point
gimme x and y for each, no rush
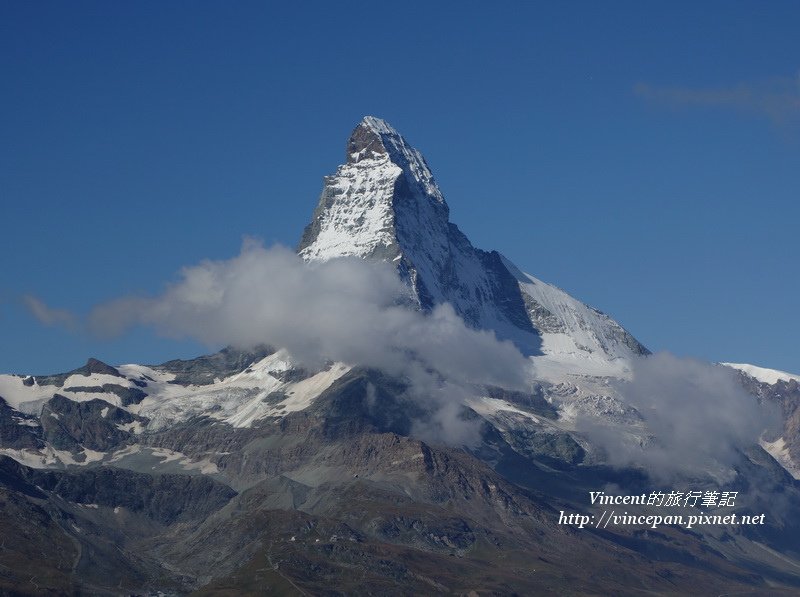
(18, 430)
(92, 366)
(164, 498)
(204, 370)
(95, 424)
(126, 394)
(785, 395)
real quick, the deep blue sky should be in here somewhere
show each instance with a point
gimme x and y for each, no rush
(645, 158)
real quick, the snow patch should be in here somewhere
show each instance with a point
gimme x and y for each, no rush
(109, 397)
(135, 427)
(762, 374)
(48, 457)
(95, 379)
(487, 407)
(205, 466)
(780, 452)
(127, 451)
(26, 422)
(27, 399)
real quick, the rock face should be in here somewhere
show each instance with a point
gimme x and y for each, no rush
(127, 395)
(204, 370)
(784, 394)
(92, 366)
(384, 204)
(96, 424)
(18, 430)
(165, 498)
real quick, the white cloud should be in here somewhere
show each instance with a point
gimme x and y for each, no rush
(778, 98)
(47, 315)
(347, 310)
(698, 414)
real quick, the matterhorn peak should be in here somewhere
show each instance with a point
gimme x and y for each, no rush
(365, 142)
(374, 138)
(364, 206)
(374, 134)
(383, 204)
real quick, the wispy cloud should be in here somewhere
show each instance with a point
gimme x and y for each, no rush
(49, 316)
(777, 99)
(346, 310)
(697, 414)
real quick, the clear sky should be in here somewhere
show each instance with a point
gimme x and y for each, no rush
(645, 157)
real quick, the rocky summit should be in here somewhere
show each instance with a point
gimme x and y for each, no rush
(245, 472)
(384, 204)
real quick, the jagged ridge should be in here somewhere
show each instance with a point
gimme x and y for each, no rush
(384, 204)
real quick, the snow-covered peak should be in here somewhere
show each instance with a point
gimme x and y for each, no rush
(374, 136)
(384, 187)
(762, 374)
(384, 204)
(379, 125)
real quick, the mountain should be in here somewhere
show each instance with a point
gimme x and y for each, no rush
(782, 390)
(243, 472)
(384, 204)
(762, 374)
